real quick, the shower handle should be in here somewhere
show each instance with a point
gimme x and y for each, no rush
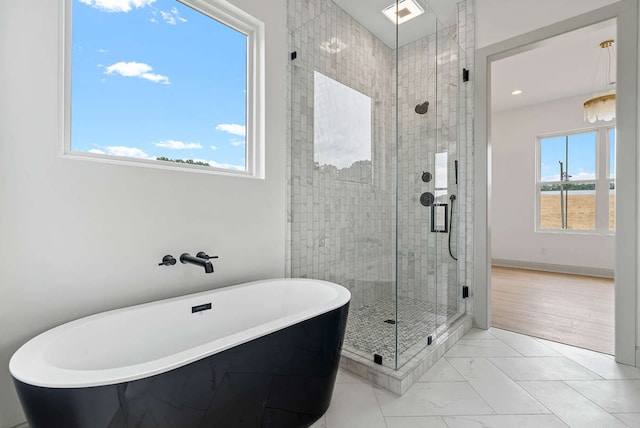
(455, 164)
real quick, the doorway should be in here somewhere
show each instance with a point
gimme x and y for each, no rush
(553, 193)
(625, 13)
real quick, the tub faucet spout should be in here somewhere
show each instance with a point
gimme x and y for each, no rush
(198, 261)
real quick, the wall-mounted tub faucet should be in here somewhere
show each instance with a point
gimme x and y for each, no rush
(201, 259)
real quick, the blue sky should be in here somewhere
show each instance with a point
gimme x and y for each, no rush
(582, 157)
(156, 78)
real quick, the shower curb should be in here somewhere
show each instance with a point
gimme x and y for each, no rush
(399, 381)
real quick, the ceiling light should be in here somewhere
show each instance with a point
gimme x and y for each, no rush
(602, 104)
(516, 92)
(402, 11)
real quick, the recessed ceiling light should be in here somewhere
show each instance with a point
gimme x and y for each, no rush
(403, 11)
(516, 92)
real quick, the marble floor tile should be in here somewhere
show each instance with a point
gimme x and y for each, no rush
(504, 421)
(415, 422)
(354, 405)
(498, 379)
(526, 345)
(543, 368)
(346, 377)
(433, 398)
(601, 364)
(501, 393)
(569, 405)
(320, 423)
(476, 333)
(441, 371)
(481, 348)
(614, 396)
(631, 419)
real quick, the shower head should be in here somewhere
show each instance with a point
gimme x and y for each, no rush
(422, 108)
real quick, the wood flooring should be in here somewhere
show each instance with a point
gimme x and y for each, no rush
(572, 309)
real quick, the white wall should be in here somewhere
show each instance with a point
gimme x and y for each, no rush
(513, 191)
(498, 20)
(79, 237)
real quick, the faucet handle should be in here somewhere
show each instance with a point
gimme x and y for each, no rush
(167, 260)
(203, 255)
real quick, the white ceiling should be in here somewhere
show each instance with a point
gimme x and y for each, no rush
(561, 67)
(369, 14)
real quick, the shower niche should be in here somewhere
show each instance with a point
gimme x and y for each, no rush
(377, 106)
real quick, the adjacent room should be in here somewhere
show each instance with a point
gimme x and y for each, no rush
(553, 189)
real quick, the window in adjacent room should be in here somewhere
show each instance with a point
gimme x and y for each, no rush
(576, 181)
(165, 83)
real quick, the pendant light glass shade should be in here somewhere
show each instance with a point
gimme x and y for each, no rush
(602, 106)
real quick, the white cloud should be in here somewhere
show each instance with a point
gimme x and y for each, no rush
(129, 69)
(155, 21)
(232, 129)
(96, 151)
(136, 69)
(178, 145)
(117, 5)
(130, 152)
(584, 176)
(227, 166)
(157, 78)
(214, 148)
(555, 177)
(237, 143)
(171, 17)
(221, 165)
(103, 50)
(168, 18)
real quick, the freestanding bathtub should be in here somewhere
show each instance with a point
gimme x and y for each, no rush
(261, 354)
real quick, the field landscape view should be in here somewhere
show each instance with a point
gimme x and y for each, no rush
(568, 180)
(581, 210)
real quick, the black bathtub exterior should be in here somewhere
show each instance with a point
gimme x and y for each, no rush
(281, 380)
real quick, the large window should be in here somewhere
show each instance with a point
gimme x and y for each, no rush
(165, 83)
(576, 181)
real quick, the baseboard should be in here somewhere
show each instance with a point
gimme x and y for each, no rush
(548, 267)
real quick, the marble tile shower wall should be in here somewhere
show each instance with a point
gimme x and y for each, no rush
(428, 70)
(345, 232)
(341, 231)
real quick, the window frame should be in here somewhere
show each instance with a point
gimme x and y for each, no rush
(601, 181)
(224, 13)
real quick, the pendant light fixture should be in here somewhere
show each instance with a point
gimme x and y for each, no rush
(602, 105)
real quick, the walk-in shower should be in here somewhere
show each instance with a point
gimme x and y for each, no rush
(378, 119)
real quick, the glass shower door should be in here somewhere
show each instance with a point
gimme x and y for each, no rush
(342, 176)
(417, 183)
(429, 166)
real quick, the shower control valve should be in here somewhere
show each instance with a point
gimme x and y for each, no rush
(426, 177)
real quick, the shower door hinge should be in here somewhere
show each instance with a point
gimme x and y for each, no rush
(465, 74)
(377, 358)
(294, 55)
(465, 291)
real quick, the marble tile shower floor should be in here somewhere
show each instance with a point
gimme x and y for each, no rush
(368, 333)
